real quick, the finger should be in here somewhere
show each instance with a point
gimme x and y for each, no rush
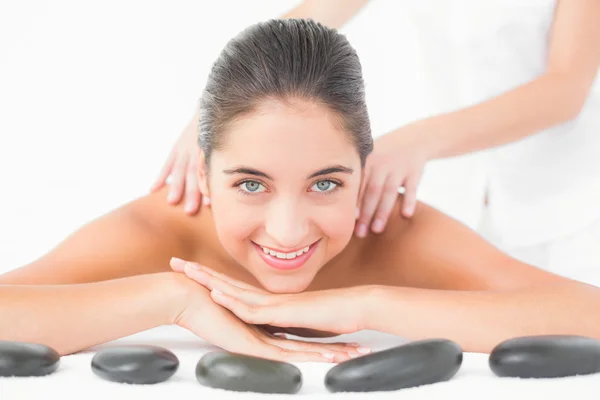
(177, 264)
(370, 201)
(241, 285)
(342, 351)
(278, 353)
(409, 201)
(178, 179)
(212, 283)
(331, 353)
(251, 313)
(388, 200)
(192, 191)
(164, 173)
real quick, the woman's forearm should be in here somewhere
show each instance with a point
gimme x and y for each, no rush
(331, 13)
(70, 318)
(547, 101)
(478, 321)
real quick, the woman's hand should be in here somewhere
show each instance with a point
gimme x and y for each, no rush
(337, 311)
(182, 165)
(218, 326)
(397, 160)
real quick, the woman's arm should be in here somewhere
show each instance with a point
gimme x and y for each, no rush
(478, 321)
(70, 318)
(555, 97)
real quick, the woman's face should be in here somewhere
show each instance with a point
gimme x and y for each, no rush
(284, 192)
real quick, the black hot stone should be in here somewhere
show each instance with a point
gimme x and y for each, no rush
(27, 359)
(413, 364)
(547, 356)
(139, 364)
(242, 373)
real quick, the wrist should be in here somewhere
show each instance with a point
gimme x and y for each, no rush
(373, 305)
(432, 138)
(177, 289)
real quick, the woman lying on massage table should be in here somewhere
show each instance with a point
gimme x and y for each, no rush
(284, 133)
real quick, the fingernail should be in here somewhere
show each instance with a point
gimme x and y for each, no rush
(172, 196)
(189, 207)
(192, 265)
(177, 260)
(205, 200)
(353, 355)
(328, 355)
(362, 230)
(357, 213)
(354, 344)
(378, 225)
(363, 350)
(216, 292)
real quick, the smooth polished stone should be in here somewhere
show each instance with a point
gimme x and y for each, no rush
(141, 364)
(549, 356)
(242, 373)
(27, 359)
(413, 364)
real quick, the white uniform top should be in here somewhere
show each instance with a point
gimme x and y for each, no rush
(546, 185)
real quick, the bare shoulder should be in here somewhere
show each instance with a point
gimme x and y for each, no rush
(136, 238)
(433, 250)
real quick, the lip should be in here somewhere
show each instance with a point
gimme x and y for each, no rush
(282, 264)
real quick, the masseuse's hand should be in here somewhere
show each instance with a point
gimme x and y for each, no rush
(336, 311)
(397, 160)
(182, 165)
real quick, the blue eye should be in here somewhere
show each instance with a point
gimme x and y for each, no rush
(252, 187)
(324, 186)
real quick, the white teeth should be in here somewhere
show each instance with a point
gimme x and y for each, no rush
(285, 256)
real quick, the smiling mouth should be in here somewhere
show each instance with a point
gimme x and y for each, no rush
(286, 260)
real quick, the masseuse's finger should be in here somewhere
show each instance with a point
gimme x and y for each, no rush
(177, 264)
(212, 283)
(409, 201)
(192, 192)
(388, 200)
(370, 201)
(164, 173)
(177, 179)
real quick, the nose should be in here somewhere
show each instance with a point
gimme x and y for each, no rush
(287, 224)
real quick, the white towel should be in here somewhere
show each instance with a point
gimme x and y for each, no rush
(75, 380)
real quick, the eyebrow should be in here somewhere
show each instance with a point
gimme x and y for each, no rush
(325, 171)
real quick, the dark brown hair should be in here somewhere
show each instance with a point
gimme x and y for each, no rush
(281, 59)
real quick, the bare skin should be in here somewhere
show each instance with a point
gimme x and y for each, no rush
(423, 277)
